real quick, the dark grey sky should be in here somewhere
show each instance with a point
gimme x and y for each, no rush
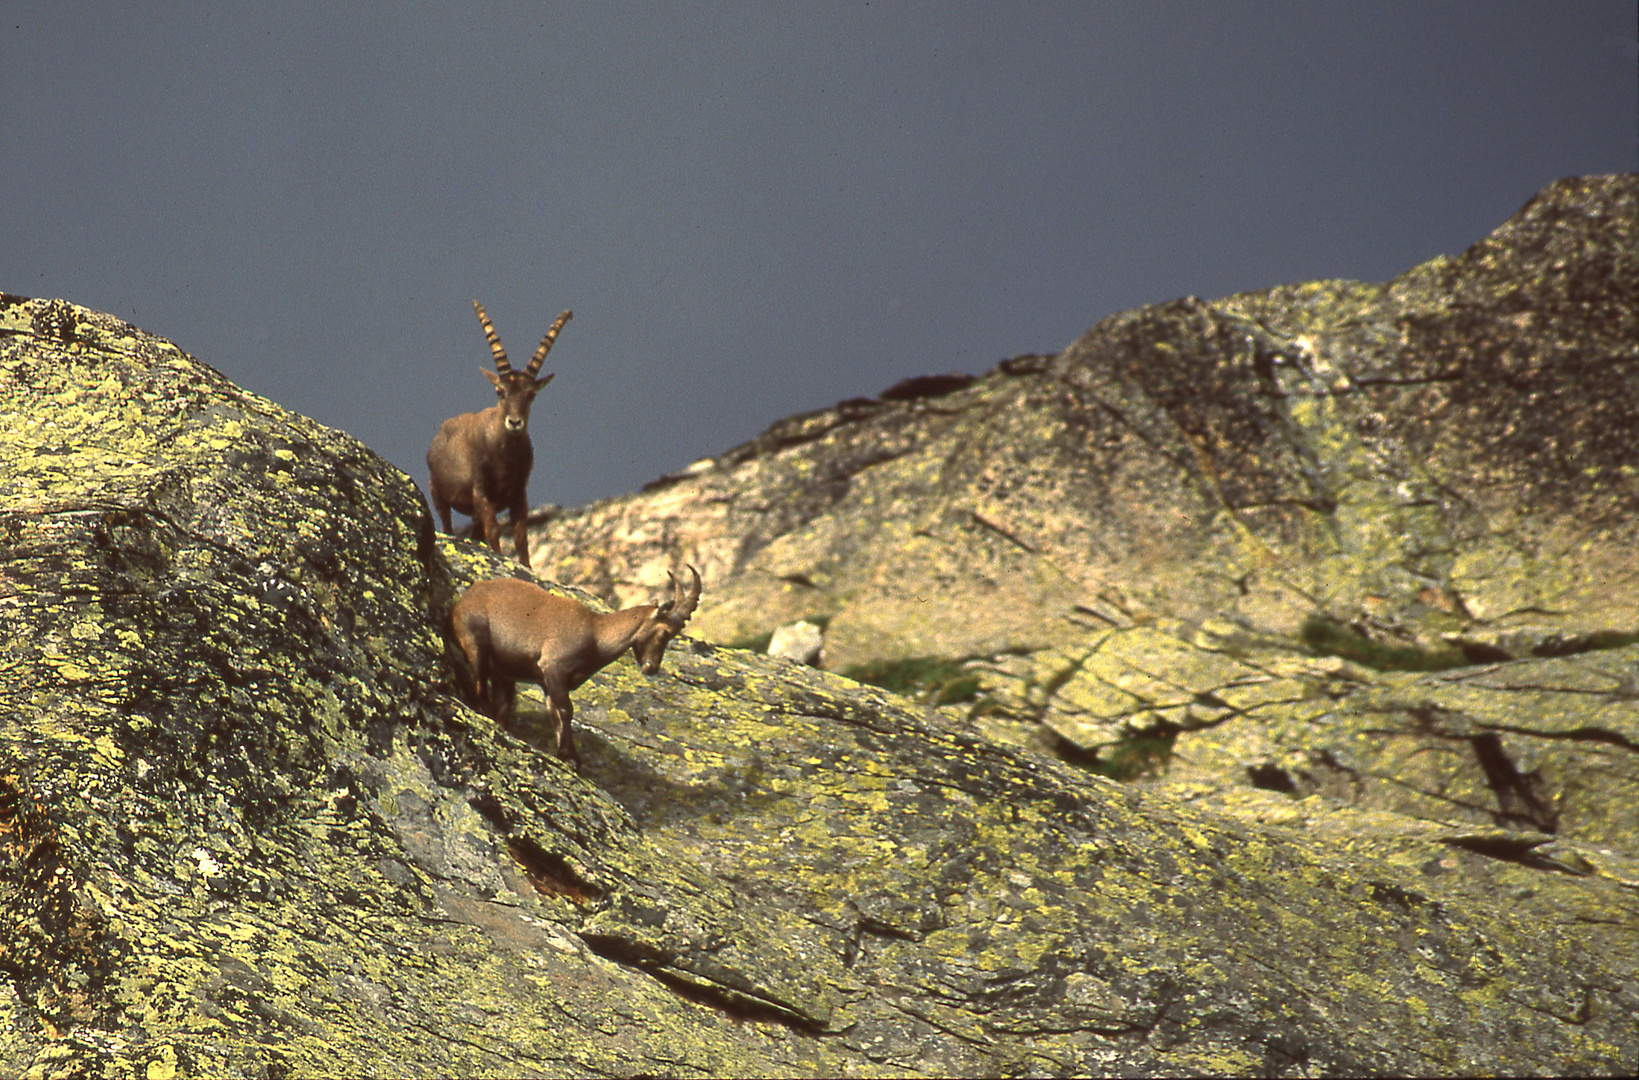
(753, 209)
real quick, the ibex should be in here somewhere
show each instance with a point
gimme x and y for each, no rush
(480, 461)
(512, 631)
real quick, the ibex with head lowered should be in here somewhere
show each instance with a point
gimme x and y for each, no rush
(512, 631)
(480, 461)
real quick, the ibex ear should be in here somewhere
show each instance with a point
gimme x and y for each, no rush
(492, 377)
(542, 382)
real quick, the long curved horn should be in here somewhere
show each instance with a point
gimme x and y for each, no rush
(502, 364)
(546, 343)
(683, 604)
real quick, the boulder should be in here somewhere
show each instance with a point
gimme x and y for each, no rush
(799, 641)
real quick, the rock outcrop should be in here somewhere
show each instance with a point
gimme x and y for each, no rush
(249, 828)
(1453, 452)
(799, 641)
(1143, 539)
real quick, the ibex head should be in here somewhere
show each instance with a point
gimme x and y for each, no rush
(665, 623)
(516, 389)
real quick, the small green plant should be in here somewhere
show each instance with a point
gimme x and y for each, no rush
(1328, 637)
(957, 691)
(924, 678)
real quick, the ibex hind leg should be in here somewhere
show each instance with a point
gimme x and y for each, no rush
(486, 528)
(520, 532)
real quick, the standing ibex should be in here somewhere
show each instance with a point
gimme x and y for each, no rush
(480, 461)
(512, 631)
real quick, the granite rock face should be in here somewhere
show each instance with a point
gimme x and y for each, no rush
(248, 827)
(1144, 536)
(1453, 452)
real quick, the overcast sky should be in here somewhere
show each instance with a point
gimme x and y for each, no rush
(753, 209)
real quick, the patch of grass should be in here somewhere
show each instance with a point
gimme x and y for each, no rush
(1328, 637)
(1135, 756)
(1128, 758)
(957, 691)
(925, 678)
(757, 643)
(991, 706)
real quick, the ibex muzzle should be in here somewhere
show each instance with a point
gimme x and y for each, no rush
(512, 631)
(480, 461)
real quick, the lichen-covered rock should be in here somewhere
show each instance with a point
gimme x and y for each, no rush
(1143, 535)
(1544, 745)
(248, 828)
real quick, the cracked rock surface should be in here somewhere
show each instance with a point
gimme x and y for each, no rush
(1450, 453)
(1132, 539)
(248, 827)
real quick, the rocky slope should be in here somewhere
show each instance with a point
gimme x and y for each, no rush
(248, 829)
(1139, 542)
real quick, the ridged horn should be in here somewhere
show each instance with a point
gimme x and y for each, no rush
(502, 364)
(682, 604)
(546, 343)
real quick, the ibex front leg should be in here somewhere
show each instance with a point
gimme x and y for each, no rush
(562, 712)
(520, 529)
